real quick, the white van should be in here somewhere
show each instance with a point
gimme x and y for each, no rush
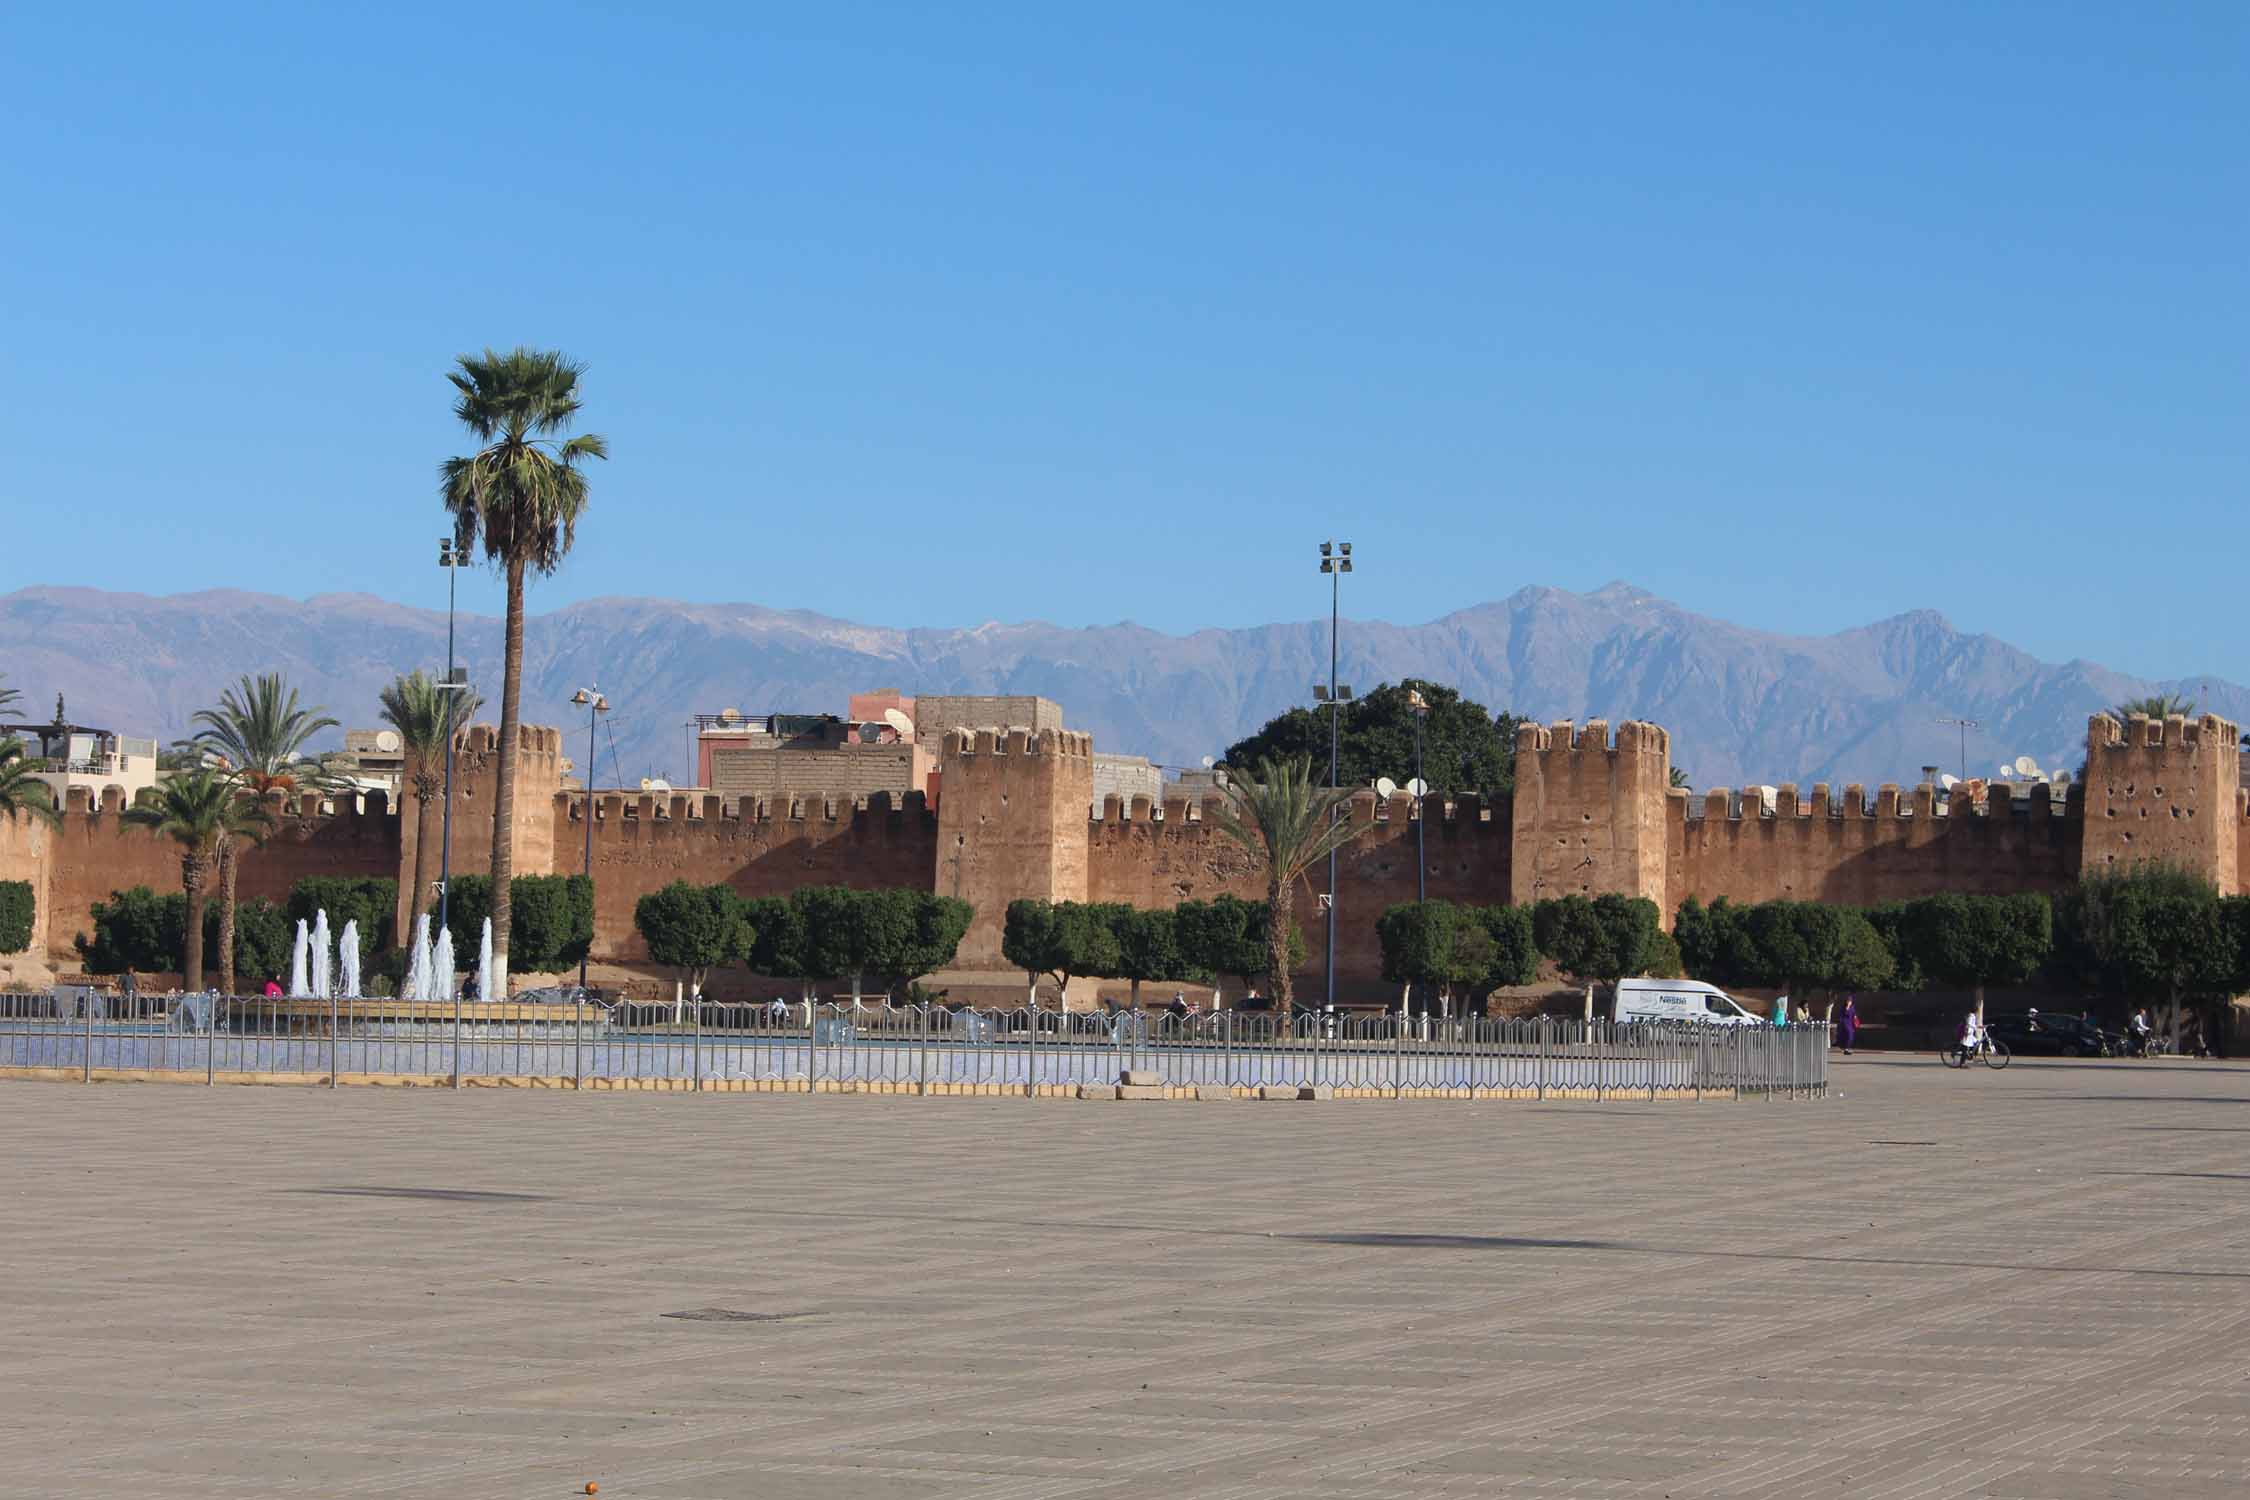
(1686, 1001)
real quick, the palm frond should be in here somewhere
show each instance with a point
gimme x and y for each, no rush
(21, 790)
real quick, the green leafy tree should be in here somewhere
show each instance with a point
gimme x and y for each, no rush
(1064, 939)
(426, 715)
(369, 900)
(1464, 747)
(199, 812)
(1603, 939)
(552, 917)
(1277, 814)
(694, 928)
(833, 941)
(1230, 936)
(1975, 941)
(1514, 956)
(265, 938)
(522, 492)
(778, 947)
(2153, 932)
(135, 929)
(1147, 944)
(909, 933)
(21, 790)
(1419, 939)
(1716, 943)
(19, 915)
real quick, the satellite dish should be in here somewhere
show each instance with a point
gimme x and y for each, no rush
(1385, 788)
(1949, 781)
(1418, 787)
(2062, 778)
(2004, 773)
(730, 715)
(871, 733)
(387, 741)
(1208, 762)
(2026, 766)
(655, 784)
(898, 721)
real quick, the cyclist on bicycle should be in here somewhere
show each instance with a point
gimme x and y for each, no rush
(2138, 1027)
(1972, 1033)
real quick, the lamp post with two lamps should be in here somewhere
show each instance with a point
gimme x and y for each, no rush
(591, 700)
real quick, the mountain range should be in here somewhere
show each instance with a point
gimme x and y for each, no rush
(1742, 704)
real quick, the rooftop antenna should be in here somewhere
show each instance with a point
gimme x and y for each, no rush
(1964, 725)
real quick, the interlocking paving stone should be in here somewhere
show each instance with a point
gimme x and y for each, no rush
(362, 1293)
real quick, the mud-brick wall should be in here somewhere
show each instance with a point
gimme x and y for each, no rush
(1848, 851)
(760, 846)
(1135, 856)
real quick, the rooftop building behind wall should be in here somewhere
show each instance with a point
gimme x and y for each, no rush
(786, 754)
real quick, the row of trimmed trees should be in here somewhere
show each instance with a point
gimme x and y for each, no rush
(2149, 935)
(1196, 942)
(815, 935)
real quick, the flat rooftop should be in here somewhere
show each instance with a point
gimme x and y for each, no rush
(2000, 1285)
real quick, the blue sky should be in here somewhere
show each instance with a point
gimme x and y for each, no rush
(1802, 315)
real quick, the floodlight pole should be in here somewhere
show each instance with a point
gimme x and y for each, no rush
(1335, 561)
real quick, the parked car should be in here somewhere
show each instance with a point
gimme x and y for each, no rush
(2051, 1035)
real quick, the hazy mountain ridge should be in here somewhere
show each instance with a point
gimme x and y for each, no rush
(1742, 704)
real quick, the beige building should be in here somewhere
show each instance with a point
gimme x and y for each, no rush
(81, 756)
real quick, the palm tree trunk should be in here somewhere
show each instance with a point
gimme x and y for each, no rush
(229, 861)
(192, 882)
(1280, 899)
(504, 800)
(425, 824)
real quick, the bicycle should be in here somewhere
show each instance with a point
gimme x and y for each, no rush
(1994, 1054)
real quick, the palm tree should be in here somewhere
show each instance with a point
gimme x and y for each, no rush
(523, 490)
(9, 698)
(426, 715)
(21, 790)
(200, 812)
(1280, 816)
(2155, 706)
(260, 731)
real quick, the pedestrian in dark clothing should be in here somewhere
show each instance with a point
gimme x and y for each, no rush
(1847, 1024)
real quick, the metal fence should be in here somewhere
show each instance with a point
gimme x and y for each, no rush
(932, 1049)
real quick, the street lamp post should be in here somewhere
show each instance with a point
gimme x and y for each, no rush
(1964, 725)
(594, 703)
(1420, 708)
(1335, 561)
(452, 557)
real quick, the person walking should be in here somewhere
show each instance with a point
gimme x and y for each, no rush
(1847, 1024)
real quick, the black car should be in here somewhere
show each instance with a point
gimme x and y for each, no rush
(2051, 1035)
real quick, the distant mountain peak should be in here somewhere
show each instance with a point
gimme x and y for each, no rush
(1743, 704)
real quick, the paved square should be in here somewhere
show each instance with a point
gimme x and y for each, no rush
(2030, 1285)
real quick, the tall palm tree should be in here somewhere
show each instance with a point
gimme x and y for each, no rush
(260, 731)
(21, 790)
(426, 716)
(9, 698)
(1279, 815)
(199, 811)
(2156, 706)
(523, 490)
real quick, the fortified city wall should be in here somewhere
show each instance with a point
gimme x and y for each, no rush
(1593, 812)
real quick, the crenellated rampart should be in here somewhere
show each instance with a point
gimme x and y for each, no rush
(1152, 857)
(1860, 851)
(1589, 810)
(93, 852)
(761, 846)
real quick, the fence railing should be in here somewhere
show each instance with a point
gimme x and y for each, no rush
(900, 1048)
